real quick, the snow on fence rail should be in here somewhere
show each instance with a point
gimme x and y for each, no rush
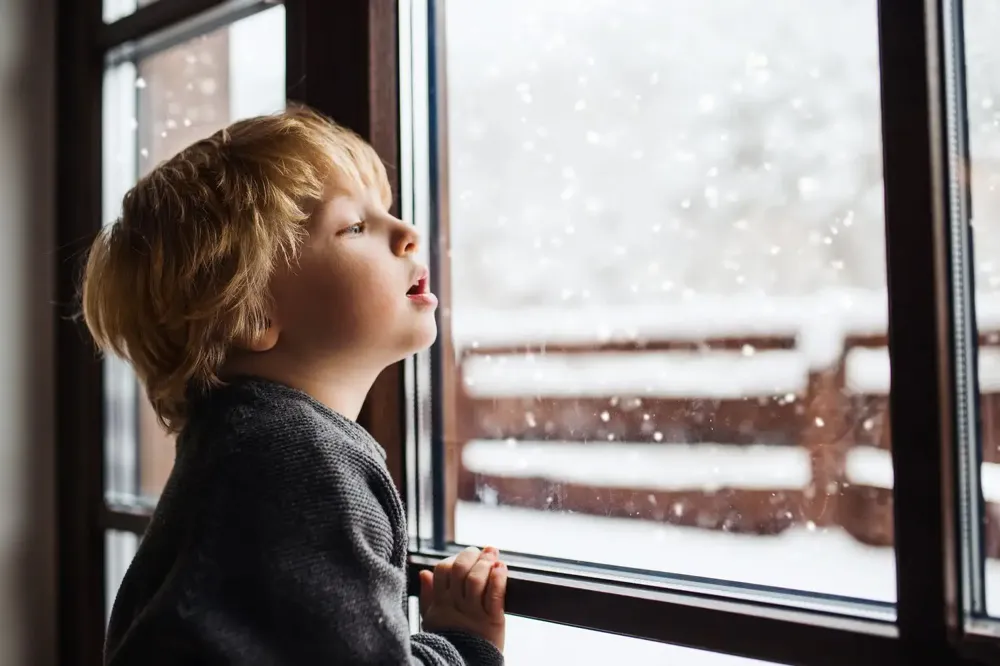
(820, 322)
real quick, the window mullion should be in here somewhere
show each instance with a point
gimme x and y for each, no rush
(342, 60)
(79, 374)
(922, 398)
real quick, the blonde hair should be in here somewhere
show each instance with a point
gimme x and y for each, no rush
(184, 272)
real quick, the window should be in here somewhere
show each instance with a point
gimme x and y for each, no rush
(680, 247)
(984, 150)
(153, 107)
(667, 289)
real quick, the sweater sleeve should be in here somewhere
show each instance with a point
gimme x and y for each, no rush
(295, 566)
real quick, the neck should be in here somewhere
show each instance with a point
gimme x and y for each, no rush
(340, 385)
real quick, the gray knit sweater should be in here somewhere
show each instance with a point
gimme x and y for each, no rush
(279, 539)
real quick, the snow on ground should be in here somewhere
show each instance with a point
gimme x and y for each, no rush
(654, 467)
(819, 561)
(824, 561)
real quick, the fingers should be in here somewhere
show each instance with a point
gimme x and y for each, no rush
(426, 590)
(471, 580)
(475, 582)
(496, 591)
(442, 580)
(460, 570)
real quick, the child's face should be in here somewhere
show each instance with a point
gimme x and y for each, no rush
(348, 294)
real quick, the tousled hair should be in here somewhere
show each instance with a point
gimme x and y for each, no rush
(183, 274)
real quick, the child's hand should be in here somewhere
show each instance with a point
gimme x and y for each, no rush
(466, 592)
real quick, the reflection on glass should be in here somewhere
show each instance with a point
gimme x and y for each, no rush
(536, 643)
(119, 549)
(667, 344)
(152, 110)
(982, 58)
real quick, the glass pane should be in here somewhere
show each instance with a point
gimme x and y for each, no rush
(153, 109)
(664, 333)
(982, 56)
(119, 549)
(116, 9)
(535, 643)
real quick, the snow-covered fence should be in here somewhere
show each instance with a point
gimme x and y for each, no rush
(731, 414)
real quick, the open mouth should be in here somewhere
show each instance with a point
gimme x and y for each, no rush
(418, 287)
(419, 292)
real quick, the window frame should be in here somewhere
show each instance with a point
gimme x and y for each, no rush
(342, 58)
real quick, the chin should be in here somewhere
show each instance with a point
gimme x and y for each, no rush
(420, 338)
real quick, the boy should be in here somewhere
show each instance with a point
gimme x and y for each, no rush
(258, 285)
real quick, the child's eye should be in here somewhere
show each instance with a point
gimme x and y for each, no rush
(354, 229)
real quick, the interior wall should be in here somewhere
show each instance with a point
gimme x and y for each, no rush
(27, 503)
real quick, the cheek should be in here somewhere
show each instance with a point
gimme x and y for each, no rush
(355, 299)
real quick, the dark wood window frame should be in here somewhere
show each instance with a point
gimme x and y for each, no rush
(342, 59)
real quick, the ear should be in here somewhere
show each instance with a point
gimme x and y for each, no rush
(265, 340)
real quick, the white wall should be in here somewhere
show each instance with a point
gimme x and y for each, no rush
(27, 515)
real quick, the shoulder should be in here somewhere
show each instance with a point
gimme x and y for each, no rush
(262, 419)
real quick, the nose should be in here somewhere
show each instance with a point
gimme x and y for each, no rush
(405, 239)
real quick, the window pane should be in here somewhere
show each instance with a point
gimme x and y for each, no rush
(665, 311)
(536, 643)
(119, 549)
(982, 55)
(153, 109)
(116, 9)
